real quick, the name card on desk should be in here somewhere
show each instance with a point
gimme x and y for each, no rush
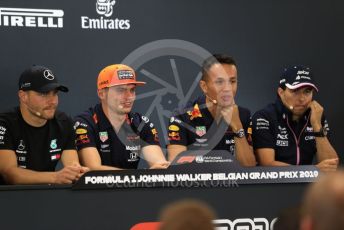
(222, 170)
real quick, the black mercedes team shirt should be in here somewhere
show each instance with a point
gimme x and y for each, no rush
(195, 128)
(122, 149)
(36, 148)
(293, 141)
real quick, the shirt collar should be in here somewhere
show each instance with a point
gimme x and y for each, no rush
(201, 101)
(103, 121)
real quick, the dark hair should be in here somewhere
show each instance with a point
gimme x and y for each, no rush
(187, 215)
(323, 202)
(215, 58)
(282, 86)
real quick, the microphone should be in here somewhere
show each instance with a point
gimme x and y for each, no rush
(289, 106)
(38, 114)
(211, 99)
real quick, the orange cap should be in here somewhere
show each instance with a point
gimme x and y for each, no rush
(117, 74)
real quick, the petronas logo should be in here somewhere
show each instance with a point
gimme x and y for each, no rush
(53, 144)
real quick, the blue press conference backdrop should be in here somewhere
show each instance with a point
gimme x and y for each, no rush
(165, 41)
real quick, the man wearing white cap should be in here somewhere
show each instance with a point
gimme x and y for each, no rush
(110, 136)
(293, 130)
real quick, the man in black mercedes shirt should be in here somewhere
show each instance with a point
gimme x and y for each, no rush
(110, 136)
(34, 136)
(293, 130)
(213, 121)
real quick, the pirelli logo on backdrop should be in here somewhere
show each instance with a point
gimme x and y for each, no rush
(25, 17)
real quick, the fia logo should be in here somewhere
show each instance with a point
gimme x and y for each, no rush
(53, 144)
(199, 159)
(105, 7)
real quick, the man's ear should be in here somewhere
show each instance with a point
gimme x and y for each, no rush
(280, 92)
(22, 96)
(101, 94)
(203, 86)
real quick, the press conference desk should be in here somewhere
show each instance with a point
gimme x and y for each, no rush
(55, 207)
(87, 206)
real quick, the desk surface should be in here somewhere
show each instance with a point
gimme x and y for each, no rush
(59, 207)
(245, 202)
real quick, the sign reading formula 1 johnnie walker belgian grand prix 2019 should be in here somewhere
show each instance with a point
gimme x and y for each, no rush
(216, 169)
(105, 9)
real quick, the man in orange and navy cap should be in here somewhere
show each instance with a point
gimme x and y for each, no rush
(110, 136)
